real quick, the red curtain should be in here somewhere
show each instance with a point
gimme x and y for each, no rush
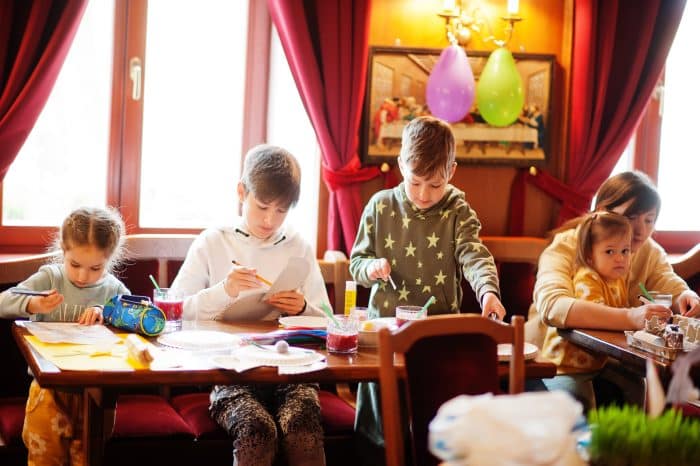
(34, 39)
(325, 42)
(619, 51)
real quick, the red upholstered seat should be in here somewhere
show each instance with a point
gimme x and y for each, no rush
(148, 416)
(337, 416)
(194, 409)
(12, 419)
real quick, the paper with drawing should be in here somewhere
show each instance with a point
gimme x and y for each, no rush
(251, 305)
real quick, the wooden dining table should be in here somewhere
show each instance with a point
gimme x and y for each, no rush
(100, 389)
(613, 343)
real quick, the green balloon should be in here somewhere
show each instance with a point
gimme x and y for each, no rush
(499, 92)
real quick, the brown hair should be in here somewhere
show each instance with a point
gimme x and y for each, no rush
(102, 228)
(597, 227)
(428, 146)
(272, 174)
(626, 186)
(616, 191)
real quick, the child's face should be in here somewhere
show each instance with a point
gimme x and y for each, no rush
(85, 265)
(424, 191)
(611, 257)
(263, 219)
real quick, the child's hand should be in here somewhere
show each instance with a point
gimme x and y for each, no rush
(637, 315)
(240, 278)
(688, 304)
(379, 269)
(44, 304)
(92, 315)
(491, 304)
(291, 302)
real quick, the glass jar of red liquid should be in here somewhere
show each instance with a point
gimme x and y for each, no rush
(171, 302)
(406, 314)
(342, 334)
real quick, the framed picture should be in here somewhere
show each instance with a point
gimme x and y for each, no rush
(396, 85)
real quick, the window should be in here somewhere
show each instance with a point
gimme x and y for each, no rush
(150, 103)
(296, 135)
(71, 136)
(663, 144)
(192, 113)
(679, 163)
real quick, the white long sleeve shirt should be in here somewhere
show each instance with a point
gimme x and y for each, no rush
(208, 262)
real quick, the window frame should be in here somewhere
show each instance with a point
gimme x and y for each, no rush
(126, 119)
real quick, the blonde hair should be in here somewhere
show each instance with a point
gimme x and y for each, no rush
(597, 227)
(428, 146)
(102, 228)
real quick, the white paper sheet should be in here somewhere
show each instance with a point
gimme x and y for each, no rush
(251, 306)
(70, 332)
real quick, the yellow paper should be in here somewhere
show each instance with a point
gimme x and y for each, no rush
(72, 357)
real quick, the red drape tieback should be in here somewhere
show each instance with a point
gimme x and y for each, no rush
(573, 202)
(352, 173)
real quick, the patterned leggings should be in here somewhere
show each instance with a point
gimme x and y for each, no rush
(53, 424)
(255, 416)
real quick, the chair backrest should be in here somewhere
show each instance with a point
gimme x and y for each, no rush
(159, 255)
(444, 356)
(335, 270)
(516, 258)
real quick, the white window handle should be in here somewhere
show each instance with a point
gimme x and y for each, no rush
(136, 75)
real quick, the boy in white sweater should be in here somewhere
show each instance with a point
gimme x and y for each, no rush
(261, 246)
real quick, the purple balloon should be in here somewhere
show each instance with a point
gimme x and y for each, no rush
(450, 88)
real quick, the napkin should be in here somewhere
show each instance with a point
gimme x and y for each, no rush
(529, 429)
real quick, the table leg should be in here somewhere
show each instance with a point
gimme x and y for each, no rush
(98, 420)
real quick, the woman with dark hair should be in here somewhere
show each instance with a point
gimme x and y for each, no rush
(633, 195)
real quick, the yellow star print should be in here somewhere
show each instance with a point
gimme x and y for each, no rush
(432, 240)
(440, 278)
(386, 303)
(405, 220)
(419, 281)
(440, 255)
(445, 213)
(403, 293)
(410, 249)
(393, 262)
(426, 289)
(388, 242)
(380, 207)
(369, 228)
(393, 214)
(420, 265)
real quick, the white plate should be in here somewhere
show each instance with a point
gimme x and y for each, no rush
(303, 322)
(270, 357)
(505, 350)
(199, 340)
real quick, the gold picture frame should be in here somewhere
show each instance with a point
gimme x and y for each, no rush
(396, 83)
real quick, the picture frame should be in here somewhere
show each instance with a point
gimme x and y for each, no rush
(397, 78)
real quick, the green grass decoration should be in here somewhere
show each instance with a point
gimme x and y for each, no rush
(626, 436)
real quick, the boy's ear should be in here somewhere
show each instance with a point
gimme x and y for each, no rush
(240, 189)
(452, 171)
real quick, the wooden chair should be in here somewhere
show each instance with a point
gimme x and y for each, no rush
(335, 270)
(159, 255)
(444, 356)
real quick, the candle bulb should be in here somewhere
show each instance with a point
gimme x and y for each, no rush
(449, 6)
(513, 6)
